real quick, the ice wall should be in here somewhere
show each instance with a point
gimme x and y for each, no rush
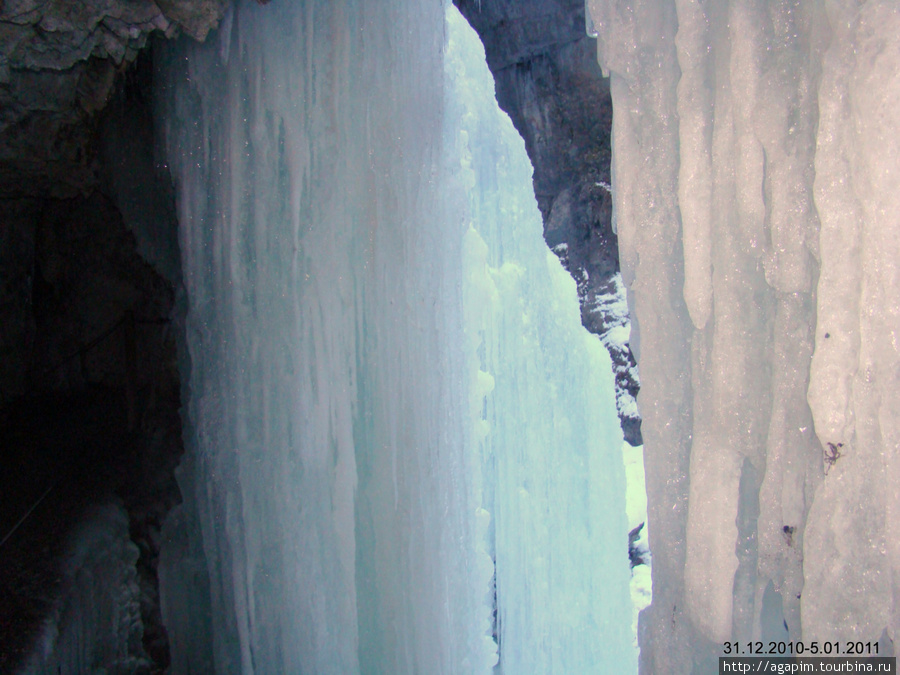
(755, 181)
(389, 385)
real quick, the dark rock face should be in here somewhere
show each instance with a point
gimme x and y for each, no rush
(58, 66)
(90, 397)
(89, 385)
(548, 81)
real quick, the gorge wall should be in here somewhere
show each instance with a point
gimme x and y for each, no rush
(772, 402)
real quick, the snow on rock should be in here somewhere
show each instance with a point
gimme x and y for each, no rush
(549, 82)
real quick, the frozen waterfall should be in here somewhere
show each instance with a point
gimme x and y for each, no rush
(756, 183)
(404, 455)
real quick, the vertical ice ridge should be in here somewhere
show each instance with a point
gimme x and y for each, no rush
(858, 360)
(695, 175)
(644, 176)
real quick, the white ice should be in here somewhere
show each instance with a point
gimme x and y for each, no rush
(756, 198)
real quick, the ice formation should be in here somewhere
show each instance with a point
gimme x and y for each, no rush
(756, 182)
(403, 446)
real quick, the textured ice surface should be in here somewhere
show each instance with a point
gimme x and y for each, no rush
(755, 180)
(390, 388)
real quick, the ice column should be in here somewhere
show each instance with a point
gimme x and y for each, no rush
(755, 181)
(328, 524)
